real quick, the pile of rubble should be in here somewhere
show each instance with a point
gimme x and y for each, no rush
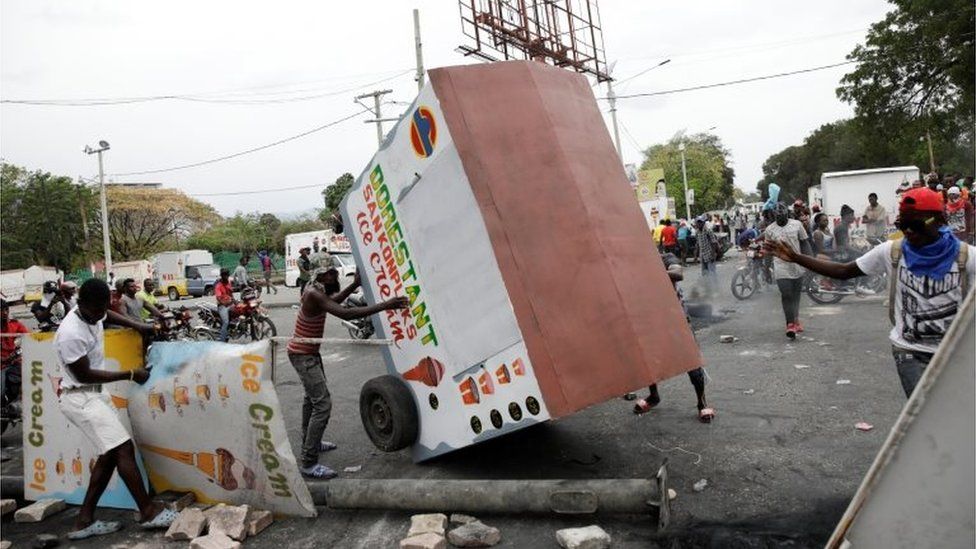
(435, 531)
(203, 526)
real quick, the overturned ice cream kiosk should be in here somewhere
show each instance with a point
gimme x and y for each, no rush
(500, 207)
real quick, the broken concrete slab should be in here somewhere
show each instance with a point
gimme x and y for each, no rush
(590, 537)
(177, 501)
(474, 534)
(228, 519)
(429, 540)
(258, 520)
(39, 510)
(434, 523)
(7, 506)
(214, 541)
(458, 519)
(189, 525)
(4, 544)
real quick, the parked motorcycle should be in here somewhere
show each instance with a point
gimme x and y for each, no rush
(827, 291)
(248, 320)
(361, 328)
(10, 410)
(175, 325)
(753, 275)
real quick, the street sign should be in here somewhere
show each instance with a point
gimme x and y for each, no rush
(691, 197)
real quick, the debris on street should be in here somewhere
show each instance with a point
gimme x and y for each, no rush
(189, 525)
(230, 520)
(801, 366)
(435, 523)
(474, 534)
(748, 391)
(429, 540)
(728, 338)
(353, 469)
(458, 519)
(214, 541)
(700, 485)
(7, 506)
(863, 426)
(43, 541)
(39, 510)
(177, 501)
(843, 382)
(258, 520)
(590, 537)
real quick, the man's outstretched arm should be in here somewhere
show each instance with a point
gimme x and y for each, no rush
(842, 271)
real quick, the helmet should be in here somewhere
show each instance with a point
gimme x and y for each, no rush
(50, 287)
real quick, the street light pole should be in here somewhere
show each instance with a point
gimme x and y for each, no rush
(102, 147)
(612, 98)
(684, 177)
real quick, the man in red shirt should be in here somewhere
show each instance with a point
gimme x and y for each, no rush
(8, 345)
(669, 238)
(224, 292)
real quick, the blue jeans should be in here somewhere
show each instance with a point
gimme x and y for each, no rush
(911, 365)
(224, 312)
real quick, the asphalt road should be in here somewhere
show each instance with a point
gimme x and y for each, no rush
(782, 458)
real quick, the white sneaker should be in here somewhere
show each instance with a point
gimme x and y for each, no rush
(864, 291)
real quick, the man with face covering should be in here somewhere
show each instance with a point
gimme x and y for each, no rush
(934, 273)
(789, 277)
(322, 296)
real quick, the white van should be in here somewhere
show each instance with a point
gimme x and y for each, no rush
(138, 270)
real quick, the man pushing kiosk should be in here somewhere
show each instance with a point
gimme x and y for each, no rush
(499, 207)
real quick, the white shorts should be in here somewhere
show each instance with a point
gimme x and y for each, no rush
(92, 413)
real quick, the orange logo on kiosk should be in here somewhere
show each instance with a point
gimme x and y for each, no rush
(486, 384)
(428, 371)
(423, 132)
(503, 375)
(469, 391)
(518, 367)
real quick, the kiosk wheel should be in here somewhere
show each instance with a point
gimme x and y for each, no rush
(389, 413)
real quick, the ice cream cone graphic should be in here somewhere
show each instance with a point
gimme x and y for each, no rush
(518, 367)
(59, 467)
(157, 401)
(76, 466)
(469, 391)
(502, 374)
(223, 391)
(428, 371)
(119, 402)
(218, 467)
(203, 392)
(485, 383)
(181, 395)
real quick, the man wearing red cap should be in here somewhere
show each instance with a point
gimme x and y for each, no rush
(930, 272)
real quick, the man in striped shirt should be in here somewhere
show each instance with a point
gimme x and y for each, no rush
(322, 296)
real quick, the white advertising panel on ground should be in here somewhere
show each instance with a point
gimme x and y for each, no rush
(208, 422)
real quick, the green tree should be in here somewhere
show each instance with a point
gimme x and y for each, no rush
(709, 169)
(42, 219)
(143, 221)
(333, 195)
(915, 77)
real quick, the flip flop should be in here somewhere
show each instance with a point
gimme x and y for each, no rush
(97, 528)
(326, 446)
(163, 520)
(705, 415)
(318, 471)
(643, 406)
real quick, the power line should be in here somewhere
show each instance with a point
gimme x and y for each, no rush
(733, 82)
(200, 97)
(242, 153)
(279, 189)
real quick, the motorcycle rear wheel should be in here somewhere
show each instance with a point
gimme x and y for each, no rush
(813, 288)
(743, 286)
(263, 328)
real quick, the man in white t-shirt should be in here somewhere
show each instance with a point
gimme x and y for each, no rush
(80, 347)
(930, 284)
(789, 277)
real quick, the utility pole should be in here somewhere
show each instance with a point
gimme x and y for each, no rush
(684, 177)
(102, 147)
(420, 52)
(928, 136)
(377, 112)
(612, 98)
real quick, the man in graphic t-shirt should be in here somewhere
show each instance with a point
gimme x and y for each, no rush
(934, 273)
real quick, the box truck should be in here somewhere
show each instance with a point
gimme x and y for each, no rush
(853, 187)
(170, 270)
(319, 242)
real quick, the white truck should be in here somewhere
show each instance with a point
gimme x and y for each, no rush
(170, 270)
(137, 270)
(853, 187)
(320, 242)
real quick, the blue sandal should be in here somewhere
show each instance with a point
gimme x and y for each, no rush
(325, 446)
(97, 528)
(318, 471)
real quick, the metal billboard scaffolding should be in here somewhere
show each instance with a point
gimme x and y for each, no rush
(564, 33)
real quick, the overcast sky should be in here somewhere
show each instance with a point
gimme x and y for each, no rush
(333, 51)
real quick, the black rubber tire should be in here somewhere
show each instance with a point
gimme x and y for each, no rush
(742, 286)
(389, 413)
(817, 297)
(269, 329)
(208, 291)
(173, 293)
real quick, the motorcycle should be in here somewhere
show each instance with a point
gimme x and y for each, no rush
(361, 328)
(175, 325)
(827, 291)
(10, 412)
(248, 320)
(754, 275)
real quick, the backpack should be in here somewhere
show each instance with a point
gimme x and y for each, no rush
(962, 257)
